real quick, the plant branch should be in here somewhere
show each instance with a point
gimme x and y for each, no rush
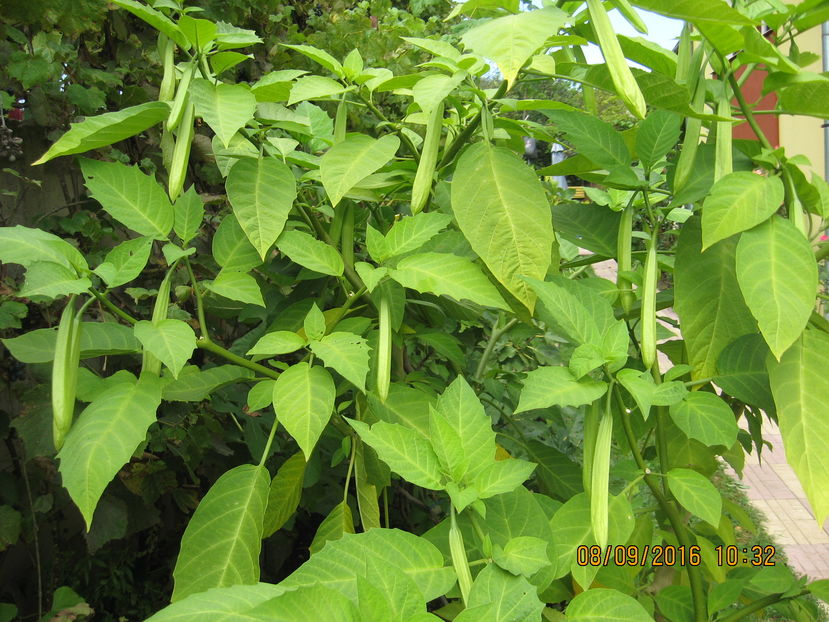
(694, 575)
(199, 301)
(116, 310)
(760, 603)
(406, 140)
(349, 271)
(205, 344)
(267, 450)
(464, 137)
(490, 346)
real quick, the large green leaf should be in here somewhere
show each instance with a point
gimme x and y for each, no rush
(647, 393)
(366, 484)
(391, 596)
(339, 564)
(555, 386)
(590, 226)
(807, 98)
(592, 137)
(231, 248)
(309, 603)
(404, 450)
(410, 233)
(132, 197)
(657, 135)
(221, 544)
(648, 53)
(25, 246)
(798, 383)
(97, 339)
(696, 493)
(498, 596)
(321, 56)
(226, 108)
(106, 129)
(466, 416)
(497, 199)
(125, 262)
(444, 274)
(194, 384)
(433, 89)
(512, 39)
(261, 193)
(219, 604)
(338, 523)
(156, 19)
(502, 476)
(737, 202)
(404, 405)
(345, 353)
(695, 10)
(778, 276)
(571, 526)
(711, 309)
(303, 397)
(606, 605)
(104, 437)
(285, 493)
(188, 214)
(170, 341)
(277, 342)
(741, 371)
(557, 475)
(49, 280)
(236, 286)
(705, 417)
(581, 314)
(310, 252)
(350, 161)
(313, 87)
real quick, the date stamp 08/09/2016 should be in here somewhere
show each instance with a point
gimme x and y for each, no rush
(669, 555)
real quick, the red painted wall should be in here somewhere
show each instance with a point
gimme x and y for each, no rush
(752, 90)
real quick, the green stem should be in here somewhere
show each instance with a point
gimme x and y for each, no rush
(793, 205)
(746, 110)
(349, 271)
(697, 383)
(694, 574)
(350, 468)
(349, 302)
(760, 603)
(464, 138)
(405, 139)
(199, 301)
(204, 344)
(386, 507)
(267, 450)
(116, 310)
(347, 237)
(490, 346)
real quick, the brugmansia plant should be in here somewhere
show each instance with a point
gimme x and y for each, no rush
(363, 256)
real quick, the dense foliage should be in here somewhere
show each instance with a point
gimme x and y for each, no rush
(327, 309)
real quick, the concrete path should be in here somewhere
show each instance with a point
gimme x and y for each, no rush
(772, 487)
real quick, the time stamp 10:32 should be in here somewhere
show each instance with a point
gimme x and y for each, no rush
(669, 555)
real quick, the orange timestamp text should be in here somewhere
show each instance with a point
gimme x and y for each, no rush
(631, 555)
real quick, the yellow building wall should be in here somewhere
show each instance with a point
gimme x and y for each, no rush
(800, 134)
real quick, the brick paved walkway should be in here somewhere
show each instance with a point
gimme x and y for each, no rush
(773, 488)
